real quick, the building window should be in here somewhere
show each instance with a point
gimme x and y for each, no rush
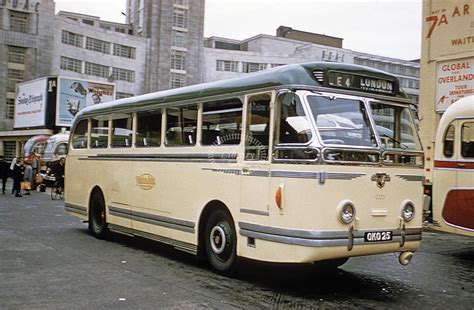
(71, 64)
(97, 70)
(14, 77)
(180, 18)
(123, 75)
(105, 27)
(9, 150)
(16, 55)
(120, 30)
(227, 65)
(71, 38)
(249, 67)
(177, 80)
(97, 45)
(120, 95)
(10, 108)
(19, 22)
(124, 51)
(178, 60)
(88, 22)
(181, 2)
(179, 39)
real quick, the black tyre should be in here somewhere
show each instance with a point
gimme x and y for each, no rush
(97, 218)
(220, 242)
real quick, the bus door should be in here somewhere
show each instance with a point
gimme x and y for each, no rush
(255, 172)
(459, 204)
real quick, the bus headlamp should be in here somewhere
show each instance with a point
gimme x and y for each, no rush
(408, 211)
(346, 212)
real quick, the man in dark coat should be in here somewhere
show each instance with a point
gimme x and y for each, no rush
(4, 172)
(18, 175)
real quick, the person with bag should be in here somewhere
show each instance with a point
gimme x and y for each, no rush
(18, 175)
(4, 173)
(28, 179)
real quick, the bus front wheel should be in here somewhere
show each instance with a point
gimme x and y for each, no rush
(221, 242)
(97, 221)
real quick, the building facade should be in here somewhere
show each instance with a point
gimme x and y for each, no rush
(226, 58)
(156, 49)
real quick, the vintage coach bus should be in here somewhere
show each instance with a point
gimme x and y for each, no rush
(453, 174)
(296, 164)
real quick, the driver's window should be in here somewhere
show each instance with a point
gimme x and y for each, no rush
(292, 124)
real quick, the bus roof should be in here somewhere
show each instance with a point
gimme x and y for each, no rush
(287, 75)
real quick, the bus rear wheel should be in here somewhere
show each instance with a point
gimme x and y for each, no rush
(97, 219)
(221, 242)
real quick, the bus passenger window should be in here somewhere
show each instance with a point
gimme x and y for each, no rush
(99, 132)
(467, 138)
(122, 132)
(292, 124)
(448, 144)
(258, 128)
(79, 137)
(148, 129)
(221, 123)
(181, 125)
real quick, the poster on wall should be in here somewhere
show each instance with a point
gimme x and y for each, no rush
(454, 80)
(74, 95)
(30, 104)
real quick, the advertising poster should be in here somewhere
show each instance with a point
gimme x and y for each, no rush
(74, 95)
(30, 104)
(454, 80)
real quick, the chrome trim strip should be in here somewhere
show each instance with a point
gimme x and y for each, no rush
(454, 169)
(321, 238)
(195, 158)
(411, 177)
(290, 174)
(75, 209)
(163, 221)
(255, 212)
(183, 246)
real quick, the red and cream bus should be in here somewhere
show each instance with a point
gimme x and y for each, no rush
(296, 164)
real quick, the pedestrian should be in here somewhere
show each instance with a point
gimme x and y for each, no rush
(4, 173)
(28, 177)
(12, 166)
(58, 171)
(18, 175)
(35, 164)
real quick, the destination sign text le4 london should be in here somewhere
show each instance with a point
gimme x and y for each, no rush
(360, 82)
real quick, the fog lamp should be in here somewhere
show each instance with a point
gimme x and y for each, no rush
(346, 212)
(408, 211)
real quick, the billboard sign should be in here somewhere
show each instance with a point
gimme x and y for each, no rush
(30, 104)
(74, 95)
(454, 80)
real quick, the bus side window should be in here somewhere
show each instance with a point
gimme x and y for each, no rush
(181, 126)
(148, 129)
(79, 137)
(467, 140)
(122, 132)
(221, 123)
(448, 142)
(99, 133)
(257, 138)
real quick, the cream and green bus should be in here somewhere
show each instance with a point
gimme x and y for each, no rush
(301, 163)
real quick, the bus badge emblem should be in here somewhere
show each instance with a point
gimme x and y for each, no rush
(380, 179)
(145, 181)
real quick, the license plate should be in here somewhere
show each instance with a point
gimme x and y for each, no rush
(378, 236)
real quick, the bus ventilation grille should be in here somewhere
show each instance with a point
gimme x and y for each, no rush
(319, 75)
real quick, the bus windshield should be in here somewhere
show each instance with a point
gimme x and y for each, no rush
(395, 126)
(342, 121)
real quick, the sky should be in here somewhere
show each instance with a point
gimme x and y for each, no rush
(390, 28)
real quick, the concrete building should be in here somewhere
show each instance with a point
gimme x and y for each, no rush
(156, 49)
(226, 58)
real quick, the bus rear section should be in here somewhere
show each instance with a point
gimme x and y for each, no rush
(453, 173)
